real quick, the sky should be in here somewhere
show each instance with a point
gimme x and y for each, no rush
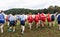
(27, 4)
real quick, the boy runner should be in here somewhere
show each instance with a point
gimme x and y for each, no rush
(12, 22)
(2, 21)
(22, 20)
(49, 19)
(30, 20)
(36, 19)
(43, 19)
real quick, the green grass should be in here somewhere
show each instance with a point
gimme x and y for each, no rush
(40, 32)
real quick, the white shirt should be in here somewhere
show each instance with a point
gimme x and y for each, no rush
(22, 17)
(26, 16)
(11, 18)
(58, 15)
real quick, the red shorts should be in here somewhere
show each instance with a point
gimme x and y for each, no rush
(7, 20)
(30, 21)
(43, 20)
(36, 21)
(49, 20)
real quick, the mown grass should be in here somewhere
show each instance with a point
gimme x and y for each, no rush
(40, 32)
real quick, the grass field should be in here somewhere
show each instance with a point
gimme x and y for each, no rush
(40, 32)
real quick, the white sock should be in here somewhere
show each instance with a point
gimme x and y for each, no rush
(8, 24)
(23, 28)
(59, 28)
(37, 25)
(1, 30)
(13, 30)
(30, 25)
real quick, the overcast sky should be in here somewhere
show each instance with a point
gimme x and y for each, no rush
(30, 4)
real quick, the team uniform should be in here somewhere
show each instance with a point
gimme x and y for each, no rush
(12, 20)
(36, 19)
(2, 21)
(39, 15)
(7, 18)
(39, 18)
(58, 19)
(43, 19)
(49, 18)
(22, 20)
(17, 17)
(52, 17)
(30, 20)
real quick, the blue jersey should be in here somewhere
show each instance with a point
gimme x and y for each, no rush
(2, 17)
(58, 17)
(22, 17)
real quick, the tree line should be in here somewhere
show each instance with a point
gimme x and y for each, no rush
(51, 9)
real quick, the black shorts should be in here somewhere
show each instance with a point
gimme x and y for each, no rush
(12, 23)
(52, 19)
(58, 22)
(2, 21)
(23, 22)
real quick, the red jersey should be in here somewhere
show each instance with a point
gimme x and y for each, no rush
(43, 17)
(39, 16)
(7, 18)
(48, 18)
(36, 18)
(30, 18)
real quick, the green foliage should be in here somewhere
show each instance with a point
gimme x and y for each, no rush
(51, 9)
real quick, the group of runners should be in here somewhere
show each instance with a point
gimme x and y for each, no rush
(38, 18)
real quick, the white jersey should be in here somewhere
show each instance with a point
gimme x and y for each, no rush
(26, 16)
(22, 17)
(12, 18)
(58, 15)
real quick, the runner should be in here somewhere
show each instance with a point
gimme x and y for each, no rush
(30, 20)
(36, 19)
(2, 21)
(22, 20)
(12, 22)
(53, 18)
(49, 19)
(58, 19)
(43, 19)
(7, 20)
(18, 19)
(39, 18)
